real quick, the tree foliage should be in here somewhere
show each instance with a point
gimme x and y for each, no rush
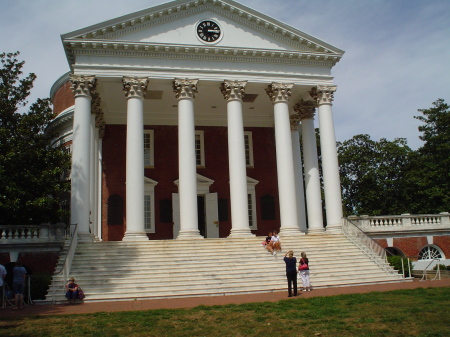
(30, 167)
(373, 175)
(429, 172)
(387, 177)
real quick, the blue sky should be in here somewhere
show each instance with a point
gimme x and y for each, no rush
(397, 56)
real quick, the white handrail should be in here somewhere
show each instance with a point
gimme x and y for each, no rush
(374, 250)
(438, 271)
(65, 269)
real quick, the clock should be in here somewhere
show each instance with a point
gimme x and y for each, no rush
(208, 31)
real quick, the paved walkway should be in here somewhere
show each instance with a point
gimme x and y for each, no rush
(189, 302)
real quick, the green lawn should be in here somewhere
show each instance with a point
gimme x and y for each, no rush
(418, 312)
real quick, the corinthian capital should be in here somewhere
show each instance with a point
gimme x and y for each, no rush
(323, 94)
(233, 90)
(305, 109)
(135, 87)
(83, 85)
(185, 88)
(294, 120)
(279, 92)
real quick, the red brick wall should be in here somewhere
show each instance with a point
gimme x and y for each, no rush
(410, 246)
(37, 262)
(166, 172)
(63, 98)
(443, 242)
(382, 242)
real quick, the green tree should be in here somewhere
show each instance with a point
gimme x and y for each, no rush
(429, 171)
(30, 167)
(373, 175)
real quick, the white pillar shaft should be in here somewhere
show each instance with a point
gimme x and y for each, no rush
(298, 169)
(99, 188)
(135, 170)
(238, 171)
(80, 192)
(285, 169)
(330, 168)
(312, 177)
(187, 169)
(93, 178)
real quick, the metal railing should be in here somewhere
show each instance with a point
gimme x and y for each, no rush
(368, 245)
(438, 271)
(64, 270)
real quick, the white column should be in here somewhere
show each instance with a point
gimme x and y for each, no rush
(185, 90)
(233, 92)
(82, 86)
(330, 166)
(298, 170)
(93, 178)
(135, 89)
(279, 94)
(306, 111)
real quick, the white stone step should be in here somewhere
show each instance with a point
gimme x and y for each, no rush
(126, 270)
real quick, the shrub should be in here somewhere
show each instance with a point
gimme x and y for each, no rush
(441, 267)
(39, 285)
(396, 262)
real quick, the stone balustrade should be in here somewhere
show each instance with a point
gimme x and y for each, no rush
(409, 222)
(32, 233)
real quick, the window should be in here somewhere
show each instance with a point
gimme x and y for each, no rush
(430, 253)
(148, 149)
(251, 202)
(149, 205)
(248, 141)
(199, 149)
(251, 210)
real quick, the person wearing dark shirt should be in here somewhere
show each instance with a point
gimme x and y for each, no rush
(291, 272)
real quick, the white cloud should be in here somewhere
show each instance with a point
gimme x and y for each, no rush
(397, 56)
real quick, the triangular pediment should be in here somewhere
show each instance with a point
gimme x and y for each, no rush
(173, 27)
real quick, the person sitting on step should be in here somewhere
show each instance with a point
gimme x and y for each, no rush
(275, 243)
(71, 291)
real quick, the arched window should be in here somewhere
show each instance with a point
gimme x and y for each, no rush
(431, 252)
(394, 251)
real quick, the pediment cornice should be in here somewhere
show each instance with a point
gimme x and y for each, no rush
(196, 52)
(112, 31)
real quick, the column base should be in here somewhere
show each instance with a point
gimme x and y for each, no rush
(334, 229)
(290, 232)
(240, 233)
(86, 237)
(190, 234)
(137, 236)
(316, 231)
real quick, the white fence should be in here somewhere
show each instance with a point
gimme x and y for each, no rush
(32, 233)
(408, 222)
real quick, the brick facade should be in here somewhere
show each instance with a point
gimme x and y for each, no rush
(165, 172)
(63, 98)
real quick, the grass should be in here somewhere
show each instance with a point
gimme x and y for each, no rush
(418, 312)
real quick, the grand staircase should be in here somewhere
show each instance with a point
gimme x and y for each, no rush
(175, 268)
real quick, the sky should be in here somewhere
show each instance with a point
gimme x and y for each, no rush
(396, 61)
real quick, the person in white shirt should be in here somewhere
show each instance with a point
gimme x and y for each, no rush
(275, 243)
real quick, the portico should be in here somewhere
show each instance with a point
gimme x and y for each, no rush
(220, 109)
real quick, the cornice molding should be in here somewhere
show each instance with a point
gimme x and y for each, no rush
(222, 54)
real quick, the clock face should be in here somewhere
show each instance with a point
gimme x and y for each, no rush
(208, 31)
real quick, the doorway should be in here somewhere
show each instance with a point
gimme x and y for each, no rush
(201, 215)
